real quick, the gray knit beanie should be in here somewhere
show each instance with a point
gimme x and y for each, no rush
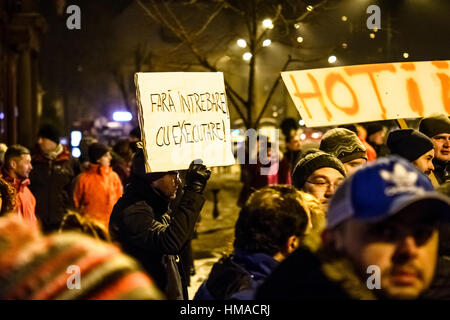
(343, 144)
(312, 161)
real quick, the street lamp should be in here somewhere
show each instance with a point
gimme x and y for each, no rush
(267, 24)
(266, 43)
(247, 56)
(242, 43)
(299, 39)
(332, 59)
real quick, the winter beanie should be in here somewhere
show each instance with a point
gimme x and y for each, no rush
(138, 168)
(409, 144)
(432, 126)
(343, 144)
(50, 132)
(312, 161)
(373, 128)
(96, 151)
(66, 266)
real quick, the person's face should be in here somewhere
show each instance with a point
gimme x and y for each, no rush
(425, 162)
(353, 165)
(442, 146)
(323, 183)
(46, 145)
(378, 137)
(105, 160)
(404, 248)
(21, 166)
(295, 142)
(168, 184)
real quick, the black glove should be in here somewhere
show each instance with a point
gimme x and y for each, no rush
(197, 176)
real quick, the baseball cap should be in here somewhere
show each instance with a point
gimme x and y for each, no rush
(381, 189)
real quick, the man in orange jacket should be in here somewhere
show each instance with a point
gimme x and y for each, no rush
(16, 171)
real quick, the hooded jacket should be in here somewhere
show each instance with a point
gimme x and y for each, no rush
(141, 224)
(96, 192)
(237, 277)
(51, 183)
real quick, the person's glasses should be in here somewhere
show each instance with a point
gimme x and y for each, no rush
(325, 184)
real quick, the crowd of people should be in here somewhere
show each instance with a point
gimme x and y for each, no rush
(363, 216)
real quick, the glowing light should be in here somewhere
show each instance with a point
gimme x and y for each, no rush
(375, 29)
(75, 138)
(297, 26)
(301, 122)
(372, 36)
(315, 135)
(241, 43)
(267, 24)
(247, 56)
(266, 42)
(344, 45)
(2, 116)
(310, 8)
(113, 125)
(303, 136)
(123, 116)
(344, 18)
(332, 59)
(76, 152)
(300, 39)
(405, 55)
(235, 132)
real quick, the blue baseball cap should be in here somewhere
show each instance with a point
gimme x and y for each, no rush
(381, 189)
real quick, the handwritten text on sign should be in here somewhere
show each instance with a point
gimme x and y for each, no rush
(184, 116)
(362, 93)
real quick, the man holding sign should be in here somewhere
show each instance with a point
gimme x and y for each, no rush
(182, 116)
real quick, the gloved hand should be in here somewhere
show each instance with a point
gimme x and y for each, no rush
(197, 176)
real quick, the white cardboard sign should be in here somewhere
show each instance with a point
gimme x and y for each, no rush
(183, 116)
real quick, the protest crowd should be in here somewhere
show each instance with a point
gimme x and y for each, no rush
(362, 216)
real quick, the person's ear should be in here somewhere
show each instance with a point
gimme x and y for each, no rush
(13, 164)
(292, 243)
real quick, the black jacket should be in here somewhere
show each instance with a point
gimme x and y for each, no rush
(52, 186)
(141, 223)
(441, 170)
(305, 275)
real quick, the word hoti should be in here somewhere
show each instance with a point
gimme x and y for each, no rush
(331, 84)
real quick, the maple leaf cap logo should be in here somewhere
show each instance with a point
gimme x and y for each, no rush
(400, 176)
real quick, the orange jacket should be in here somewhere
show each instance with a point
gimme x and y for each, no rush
(96, 192)
(371, 153)
(25, 201)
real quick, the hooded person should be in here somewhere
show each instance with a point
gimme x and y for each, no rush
(414, 146)
(146, 229)
(437, 128)
(346, 146)
(54, 170)
(98, 188)
(319, 173)
(380, 242)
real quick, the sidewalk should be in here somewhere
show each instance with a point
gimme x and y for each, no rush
(215, 236)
